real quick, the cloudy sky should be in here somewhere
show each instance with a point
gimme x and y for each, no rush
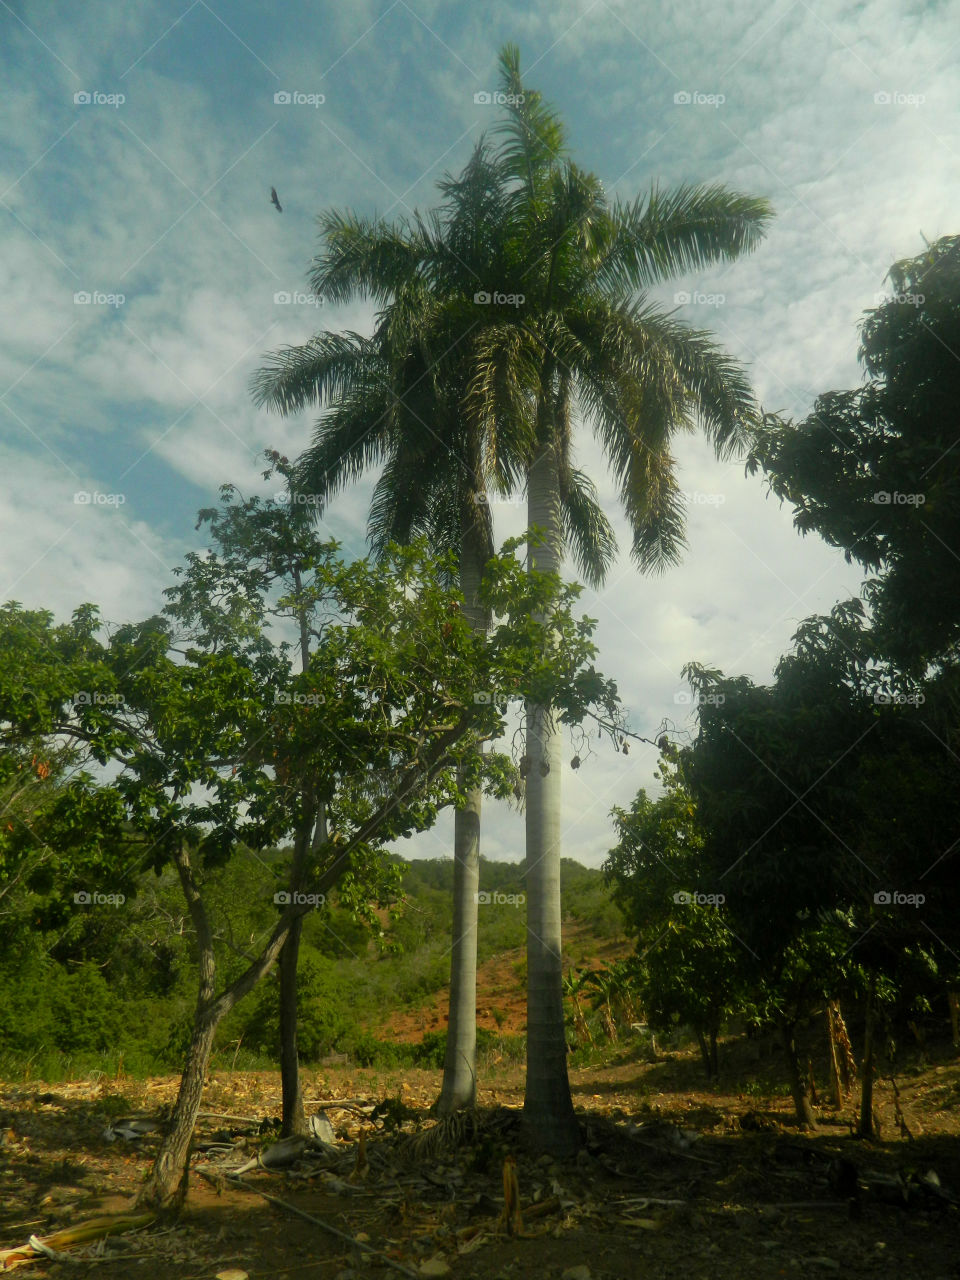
(142, 260)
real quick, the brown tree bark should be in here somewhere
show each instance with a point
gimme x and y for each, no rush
(708, 1051)
(866, 1129)
(166, 1187)
(294, 1117)
(798, 1085)
(835, 1083)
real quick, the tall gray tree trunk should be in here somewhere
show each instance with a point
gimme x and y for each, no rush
(549, 1120)
(459, 1087)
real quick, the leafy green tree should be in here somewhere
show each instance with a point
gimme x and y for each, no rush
(265, 551)
(874, 470)
(60, 833)
(829, 820)
(220, 740)
(690, 961)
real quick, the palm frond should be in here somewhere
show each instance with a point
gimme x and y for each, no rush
(328, 366)
(719, 393)
(587, 532)
(364, 257)
(669, 233)
(533, 133)
(351, 437)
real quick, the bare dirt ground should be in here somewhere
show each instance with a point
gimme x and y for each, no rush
(504, 1010)
(675, 1179)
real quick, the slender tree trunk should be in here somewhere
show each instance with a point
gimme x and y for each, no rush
(166, 1185)
(549, 1120)
(798, 1086)
(704, 1051)
(953, 998)
(708, 1050)
(835, 1084)
(294, 1117)
(866, 1073)
(459, 1087)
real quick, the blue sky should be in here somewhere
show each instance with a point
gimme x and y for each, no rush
(845, 116)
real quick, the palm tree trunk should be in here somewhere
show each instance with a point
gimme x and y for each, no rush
(549, 1119)
(459, 1087)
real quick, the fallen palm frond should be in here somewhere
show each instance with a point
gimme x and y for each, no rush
(61, 1241)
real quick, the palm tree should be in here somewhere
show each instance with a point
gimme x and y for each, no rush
(397, 399)
(587, 338)
(506, 383)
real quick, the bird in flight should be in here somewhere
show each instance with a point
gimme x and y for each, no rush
(275, 201)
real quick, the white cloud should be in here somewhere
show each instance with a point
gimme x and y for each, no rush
(97, 198)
